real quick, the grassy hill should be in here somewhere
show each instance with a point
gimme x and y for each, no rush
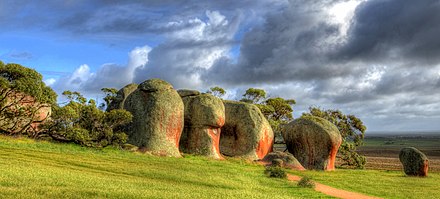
(33, 169)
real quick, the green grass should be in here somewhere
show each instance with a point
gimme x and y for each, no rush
(386, 184)
(33, 169)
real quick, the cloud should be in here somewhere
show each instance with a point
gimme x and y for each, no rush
(188, 52)
(108, 75)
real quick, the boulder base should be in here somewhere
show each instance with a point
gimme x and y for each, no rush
(313, 141)
(414, 162)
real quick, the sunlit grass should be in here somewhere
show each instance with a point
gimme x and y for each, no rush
(386, 184)
(34, 169)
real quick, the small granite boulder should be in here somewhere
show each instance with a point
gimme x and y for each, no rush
(287, 160)
(414, 162)
(313, 141)
(204, 117)
(157, 118)
(246, 132)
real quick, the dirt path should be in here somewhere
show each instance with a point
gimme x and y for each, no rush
(331, 191)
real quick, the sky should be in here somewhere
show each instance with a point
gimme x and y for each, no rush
(376, 59)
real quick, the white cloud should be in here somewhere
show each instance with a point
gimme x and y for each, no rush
(50, 81)
(108, 75)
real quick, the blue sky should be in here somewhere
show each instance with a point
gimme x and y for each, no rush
(376, 59)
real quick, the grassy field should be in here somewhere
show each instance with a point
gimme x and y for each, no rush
(30, 169)
(381, 183)
(33, 169)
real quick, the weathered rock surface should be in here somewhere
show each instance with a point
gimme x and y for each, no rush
(287, 160)
(246, 132)
(158, 118)
(313, 141)
(121, 96)
(204, 117)
(414, 162)
(186, 92)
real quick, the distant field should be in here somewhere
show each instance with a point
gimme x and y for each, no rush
(382, 151)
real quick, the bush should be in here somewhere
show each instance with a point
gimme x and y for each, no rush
(306, 182)
(84, 123)
(275, 172)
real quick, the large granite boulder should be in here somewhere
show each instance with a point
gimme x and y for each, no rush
(204, 117)
(157, 118)
(246, 132)
(414, 162)
(285, 160)
(313, 141)
(121, 96)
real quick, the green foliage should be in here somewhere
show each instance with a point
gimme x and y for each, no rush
(254, 96)
(110, 96)
(217, 91)
(352, 131)
(306, 182)
(22, 95)
(83, 123)
(275, 172)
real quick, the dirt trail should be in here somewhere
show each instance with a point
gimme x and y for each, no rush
(331, 191)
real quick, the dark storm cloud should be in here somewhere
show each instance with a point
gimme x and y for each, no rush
(392, 30)
(123, 17)
(291, 45)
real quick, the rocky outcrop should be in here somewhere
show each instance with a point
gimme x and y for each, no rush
(246, 132)
(282, 159)
(204, 117)
(158, 118)
(414, 162)
(313, 141)
(121, 96)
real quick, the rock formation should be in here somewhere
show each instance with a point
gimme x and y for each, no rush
(287, 160)
(158, 117)
(414, 162)
(121, 96)
(204, 116)
(246, 132)
(313, 141)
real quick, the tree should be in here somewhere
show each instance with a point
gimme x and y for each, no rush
(277, 110)
(217, 91)
(110, 96)
(352, 131)
(81, 122)
(254, 96)
(23, 96)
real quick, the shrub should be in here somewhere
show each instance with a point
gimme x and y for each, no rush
(306, 182)
(84, 123)
(275, 172)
